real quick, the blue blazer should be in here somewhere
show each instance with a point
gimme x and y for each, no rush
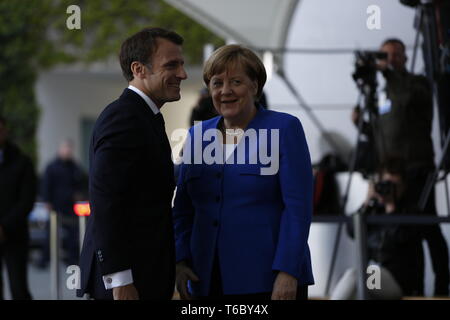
(256, 224)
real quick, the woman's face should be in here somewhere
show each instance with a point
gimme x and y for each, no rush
(233, 93)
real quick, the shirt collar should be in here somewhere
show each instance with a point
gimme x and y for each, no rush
(146, 98)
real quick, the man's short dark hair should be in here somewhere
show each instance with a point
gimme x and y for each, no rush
(141, 46)
(394, 41)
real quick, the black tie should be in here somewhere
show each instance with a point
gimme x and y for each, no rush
(159, 119)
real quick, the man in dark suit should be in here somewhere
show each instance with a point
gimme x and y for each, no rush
(17, 196)
(128, 251)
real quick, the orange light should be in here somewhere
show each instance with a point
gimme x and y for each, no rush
(82, 209)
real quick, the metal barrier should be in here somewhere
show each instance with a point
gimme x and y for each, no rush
(360, 225)
(55, 227)
(82, 210)
(360, 228)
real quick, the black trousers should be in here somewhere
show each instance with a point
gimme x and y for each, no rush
(432, 234)
(15, 256)
(216, 292)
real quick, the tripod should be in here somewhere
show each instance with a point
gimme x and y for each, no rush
(366, 80)
(426, 23)
(435, 177)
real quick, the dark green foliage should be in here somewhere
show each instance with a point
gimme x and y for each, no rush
(34, 36)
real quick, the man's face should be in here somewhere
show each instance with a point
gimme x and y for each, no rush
(65, 151)
(3, 134)
(396, 55)
(162, 81)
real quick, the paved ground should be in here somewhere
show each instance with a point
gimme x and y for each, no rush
(40, 284)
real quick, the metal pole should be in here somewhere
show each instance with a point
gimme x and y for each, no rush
(54, 255)
(361, 254)
(432, 179)
(446, 195)
(345, 199)
(82, 231)
(419, 13)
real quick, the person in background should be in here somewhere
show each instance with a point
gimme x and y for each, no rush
(396, 249)
(63, 184)
(404, 130)
(17, 196)
(204, 110)
(241, 231)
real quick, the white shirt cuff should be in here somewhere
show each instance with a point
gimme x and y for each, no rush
(118, 279)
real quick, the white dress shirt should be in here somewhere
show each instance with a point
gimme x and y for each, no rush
(147, 99)
(229, 149)
(122, 278)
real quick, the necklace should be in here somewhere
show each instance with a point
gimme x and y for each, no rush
(231, 135)
(234, 132)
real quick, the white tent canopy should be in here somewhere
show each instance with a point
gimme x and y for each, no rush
(256, 23)
(314, 41)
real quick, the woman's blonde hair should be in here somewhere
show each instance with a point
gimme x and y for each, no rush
(232, 56)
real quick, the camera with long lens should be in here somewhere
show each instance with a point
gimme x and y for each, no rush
(384, 188)
(373, 207)
(366, 66)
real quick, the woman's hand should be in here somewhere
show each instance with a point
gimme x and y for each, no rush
(183, 274)
(285, 287)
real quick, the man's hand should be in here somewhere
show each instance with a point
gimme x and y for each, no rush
(127, 292)
(390, 207)
(49, 206)
(382, 64)
(356, 113)
(2, 235)
(183, 274)
(285, 287)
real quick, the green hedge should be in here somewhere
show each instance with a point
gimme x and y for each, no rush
(34, 37)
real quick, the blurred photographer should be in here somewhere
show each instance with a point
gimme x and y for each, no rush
(402, 127)
(396, 249)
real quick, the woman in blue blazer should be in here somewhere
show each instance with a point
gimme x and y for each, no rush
(243, 205)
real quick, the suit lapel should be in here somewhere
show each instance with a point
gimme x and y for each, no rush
(160, 131)
(157, 127)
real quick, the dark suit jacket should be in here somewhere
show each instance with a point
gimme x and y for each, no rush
(130, 189)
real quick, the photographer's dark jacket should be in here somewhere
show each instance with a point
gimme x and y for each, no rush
(398, 248)
(406, 129)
